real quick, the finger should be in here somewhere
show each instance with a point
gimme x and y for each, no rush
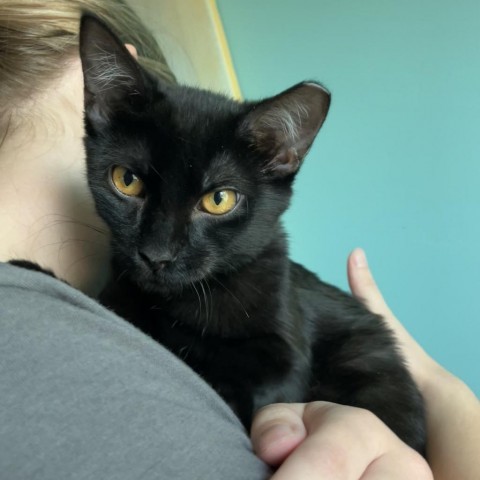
(341, 443)
(276, 431)
(362, 284)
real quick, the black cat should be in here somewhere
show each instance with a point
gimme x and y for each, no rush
(192, 186)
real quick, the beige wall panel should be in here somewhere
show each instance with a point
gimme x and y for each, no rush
(192, 38)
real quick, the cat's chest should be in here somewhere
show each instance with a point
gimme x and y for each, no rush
(247, 372)
(221, 354)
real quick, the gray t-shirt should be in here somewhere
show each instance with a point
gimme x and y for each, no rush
(85, 395)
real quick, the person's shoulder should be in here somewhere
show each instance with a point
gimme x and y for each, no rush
(27, 264)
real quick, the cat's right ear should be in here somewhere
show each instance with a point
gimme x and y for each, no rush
(283, 128)
(112, 77)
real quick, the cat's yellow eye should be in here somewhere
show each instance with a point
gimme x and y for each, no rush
(127, 182)
(219, 202)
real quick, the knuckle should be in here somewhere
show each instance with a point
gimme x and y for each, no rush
(318, 407)
(270, 415)
(419, 467)
(273, 411)
(361, 418)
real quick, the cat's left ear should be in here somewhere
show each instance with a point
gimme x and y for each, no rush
(284, 127)
(112, 77)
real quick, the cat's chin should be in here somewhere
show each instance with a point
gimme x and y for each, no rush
(164, 283)
(160, 288)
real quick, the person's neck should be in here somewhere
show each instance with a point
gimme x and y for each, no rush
(46, 211)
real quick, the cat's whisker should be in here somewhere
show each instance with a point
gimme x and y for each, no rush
(81, 259)
(183, 352)
(233, 268)
(250, 285)
(156, 171)
(210, 313)
(60, 219)
(199, 299)
(233, 296)
(121, 274)
(68, 242)
(36, 235)
(206, 302)
(209, 308)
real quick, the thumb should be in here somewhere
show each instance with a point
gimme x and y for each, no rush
(277, 430)
(362, 283)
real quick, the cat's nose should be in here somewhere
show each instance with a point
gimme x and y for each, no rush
(156, 260)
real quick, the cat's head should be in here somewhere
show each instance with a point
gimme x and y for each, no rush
(191, 183)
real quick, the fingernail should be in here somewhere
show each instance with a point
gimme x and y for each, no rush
(280, 430)
(359, 258)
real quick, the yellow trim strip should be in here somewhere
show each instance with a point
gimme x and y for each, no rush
(223, 44)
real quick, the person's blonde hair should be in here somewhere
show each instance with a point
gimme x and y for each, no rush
(38, 38)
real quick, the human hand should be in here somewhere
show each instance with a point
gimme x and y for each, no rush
(332, 442)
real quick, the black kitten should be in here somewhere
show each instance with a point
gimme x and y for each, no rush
(192, 186)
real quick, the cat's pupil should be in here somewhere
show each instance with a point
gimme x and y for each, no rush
(128, 178)
(218, 197)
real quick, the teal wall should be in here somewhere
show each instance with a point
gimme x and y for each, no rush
(396, 167)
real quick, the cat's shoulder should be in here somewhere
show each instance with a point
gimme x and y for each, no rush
(301, 276)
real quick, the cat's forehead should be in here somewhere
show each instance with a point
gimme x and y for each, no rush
(197, 171)
(190, 129)
(196, 111)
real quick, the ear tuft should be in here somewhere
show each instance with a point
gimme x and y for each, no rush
(284, 127)
(111, 75)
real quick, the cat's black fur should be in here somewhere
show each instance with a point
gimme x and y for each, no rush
(220, 291)
(28, 265)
